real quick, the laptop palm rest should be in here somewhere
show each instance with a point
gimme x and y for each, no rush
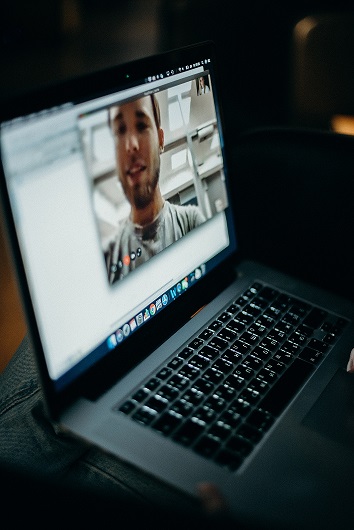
(332, 415)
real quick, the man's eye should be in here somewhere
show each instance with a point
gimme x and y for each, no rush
(121, 130)
(141, 126)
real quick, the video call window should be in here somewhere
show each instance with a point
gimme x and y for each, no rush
(191, 177)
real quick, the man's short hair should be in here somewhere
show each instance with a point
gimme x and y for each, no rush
(155, 109)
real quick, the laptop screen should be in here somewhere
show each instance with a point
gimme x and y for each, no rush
(120, 203)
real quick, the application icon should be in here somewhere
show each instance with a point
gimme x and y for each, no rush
(179, 288)
(185, 283)
(112, 341)
(146, 314)
(139, 319)
(164, 299)
(119, 335)
(158, 304)
(132, 324)
(152, 309)
(173, 292)
(126, 330)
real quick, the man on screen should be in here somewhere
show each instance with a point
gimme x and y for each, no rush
(153, 223)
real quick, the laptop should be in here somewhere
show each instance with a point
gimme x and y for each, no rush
(187, 363)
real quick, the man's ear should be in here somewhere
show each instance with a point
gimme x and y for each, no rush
(161, 139)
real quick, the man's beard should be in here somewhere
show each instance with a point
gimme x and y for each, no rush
(143, 193)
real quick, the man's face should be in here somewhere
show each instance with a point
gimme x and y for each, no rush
(138, 144)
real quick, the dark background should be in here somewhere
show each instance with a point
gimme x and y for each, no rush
(42, 41)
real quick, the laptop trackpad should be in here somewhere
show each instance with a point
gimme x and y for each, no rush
(333, 412)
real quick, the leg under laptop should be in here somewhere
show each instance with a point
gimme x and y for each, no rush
(29, 443)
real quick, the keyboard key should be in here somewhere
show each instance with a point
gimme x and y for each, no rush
(144, 415)
(152, 384)
(268, 293)
(225, 392)
(233, 308)
(283, 357)
(249, 338)
(250, 433)
(215, 402)
(184, 408)
(156, 403)
(189, 432)
(228, 459)
(315, 318)
(209, 352)
(206, 446)
(236, 325)
(318, 345)
(269, 343)
(167, 423)
(257, 329)
(193, 396)
(240, 406)
(240, 347)
(218, 343)
(206, 334)
(231, 418)
(267, 375)
(199, 362)
(235, 381)
(214, 376)
(140, 395)
(244, 371)
(290, 347)
(260, 419)
(239, 445)
(224, 317)
(252, 362)
(275, 366)
(196, 343)
(164, 373)
(227, 334)
(178, 382)
(167, 392)
(250, 395)
(310, 355)
(220, 430)
(205, 414)
(261, 353)
(214, 326)
(258, 385)
(186, 353)
(203, 385)
(190, 372)
(127, 407)
(223, 366)
(175, 363)
(232, 356)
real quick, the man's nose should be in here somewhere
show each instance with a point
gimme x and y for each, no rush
(132, 143)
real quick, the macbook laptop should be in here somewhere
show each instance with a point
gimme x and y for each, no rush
(154, 342)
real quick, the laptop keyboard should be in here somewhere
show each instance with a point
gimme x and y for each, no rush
(223, 391)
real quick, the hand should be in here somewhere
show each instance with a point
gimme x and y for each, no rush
(350, 365)
(211, 498)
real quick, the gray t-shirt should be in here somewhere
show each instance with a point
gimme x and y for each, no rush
(136, 244)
